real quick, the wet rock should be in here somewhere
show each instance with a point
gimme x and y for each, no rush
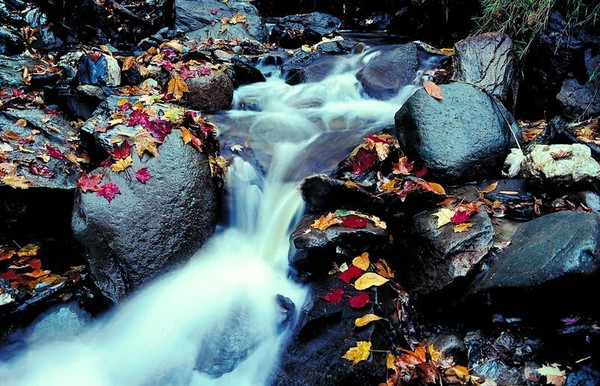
(439, 256)
(61, 322)
(556, 248)
(450, 344)
(587, 375)
(580, 98)
(464, 137)
(197, 21)
(306, 67)
(488, 61)
(210, 92)
(245, 73)
(102, 71)
(180, 195)
(337, 47)
(46, 39)
(561, 165)
(11, 43)
(394, 68)
(11, 71)
(313, 250)
(295, 30)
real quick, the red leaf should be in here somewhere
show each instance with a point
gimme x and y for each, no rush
(461, 216)
(50, 111)
(142, 175)
(121, 151)
(41, 170)
(403, 166)
(353, 221)
(362, 161)
(159, 128)
(422, 172)
(35, 264)
(138, 117)
(187, 73)
(125, 107)
(333, 297)
(359, 301)
(89, 183)
(407, 188)
(19, 93)
(213, 11)
(108, 191)
(351, 273)
(96, 55)
(53, 152)
(376, 138)
(203, 71)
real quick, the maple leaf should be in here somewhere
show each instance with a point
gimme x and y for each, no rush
(238, 18)
(35, 264)
(554, 375)
(362, 261)
(16, 182)
(121, 151)
(108, 191)
(28, 250)
(561, 154)
(121, 164)
(420, 173)
(444, 216)
(431, 187)
(96, 55)
(89, 183)
(41, 170)
(213, 11)
(490, 188)
(138, 116)
(359, 353)
(403, 166)
(186, 135)
(143, 175)
(325, 222)
(177, 87)
(433, 90)
(145, 142)
(54, 152)
(462, 227)
(407, 188)
(128, 63)
(204, 71)
(362, 161)
(368, 280)
(359, 301)
(160, 128)
(351, 273)
(461, 216)
(366, 319)
(353, 221)
(333, 297)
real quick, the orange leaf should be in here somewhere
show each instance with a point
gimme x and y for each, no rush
(177, 87)
(186, 135)
(21, 122)
(145, 142)
(433, 90)
(128, 63)
(325, 222)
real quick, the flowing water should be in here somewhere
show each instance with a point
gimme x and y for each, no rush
(222, 303)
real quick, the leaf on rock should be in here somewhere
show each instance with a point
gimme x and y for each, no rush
(28, 250)
(35, 264)
(325, 222)
(461, 216)
(444, 216)
(333, 297)
(362, 261)
(128, 63)
(21, 122)
(431, 187)
(359, 301)
(383, 269)
(54, 152)
(108, 191)
(403, 166)
(490, 188)
(89, 183)
(121, 151)
(16, 182)
(368, 280)
(359, 353)
(366, 319)
(353, 221)
(204, 71)
(351, 273)
(186, 135)
(145, 142)
(362, 161)
(143, 175)
(554, 375)
(238, 18)
(561, 154)
(390, 362)
(121, 164)
(433, 89)
(462, 227)
(177, 87)
(41, 170)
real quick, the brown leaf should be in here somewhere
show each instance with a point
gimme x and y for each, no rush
(128, 63)
(383, 269)
(16, 182)
(145, 142)
(21, 122)
(433, 90)
(177, 87)
(490, 188)
(463, 227)
(561, 154)
(325, 222)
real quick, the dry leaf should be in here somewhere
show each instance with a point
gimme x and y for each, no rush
(554, 375)
(368, 280)
(128, 63)
(366, 319)
(362, 261)
(121, 164)
(433, 89)
(325, 222)
(177, 87)
(444, 216)
(390, 362)
(383, 269)
(490, 188)
(359, 353)
(21, 122)
(561, 154)
(186, 135)
(459, 228)
(16, 182)
(145, 142)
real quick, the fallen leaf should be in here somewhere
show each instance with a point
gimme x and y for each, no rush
(366, 319)
(238, 18)
(177, 87)
(433, 90)
(362, 261)
(143, 175)
(359, 301)
(444, 216)
(353, 221)
(41, 170)
(21, 122)
(403, 166)
(383, 269)
(333, 297)
(351, 273)
(554, 375)
(561, 154)
(108, 191)
(460, 216)
(362, 161)
(462, 227)
(16, 182)
(390, 362)
(490, 188)
(368, 280)
(28, 250)
(325, 222)
(89, 183)
(54, 152)
(359, 353)
(128, 63)
(121, 164)
(121, 151)
(145, 142)
(186, 135)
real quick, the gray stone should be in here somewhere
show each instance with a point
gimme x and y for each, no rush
(464, 137)
(11, 71)
(487, 61)
(60, 322)
(541, 168)
(438, 256)
(307, 67)
(11, 43)
(293, 31)
(552, 247)
(582, 100)
(394, 68)
(210, 92)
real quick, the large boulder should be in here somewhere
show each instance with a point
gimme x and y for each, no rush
(464, 137)
(295, 30)
(11, 71)
(210, 92)
(201, 19)
(11, 43)
(580, 98)
(489, 62)
(393, 68)
(149, 227)
(306, 67)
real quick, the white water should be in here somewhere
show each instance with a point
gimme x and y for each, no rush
(155, 336)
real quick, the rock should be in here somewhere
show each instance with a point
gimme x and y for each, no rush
(439, 256)
(180, 195)
(307, 67)
(488, 61)
(576, 167)
(313, 251)
(293, 31)
(245, 73)
(578, 99)
(210, 92)
(46, 39)
(378, 21)
(195, 19)
(104, 71)
(450, 344)
(394, 68)
(11, 43)
(62, 322)
(464, 137)
(560, 247)
(587, 375)
(11, 71)
(336, 47)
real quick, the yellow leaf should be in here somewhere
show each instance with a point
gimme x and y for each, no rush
(447, 51)
(554, 375)
(462, 227)
(343, 267)
(16, 182)
(128, 63)
(223, 28)
(145, 142)
(362, 261)
(238, 18)
(378, 222)
(186, 135)
(369, 279)
(366, 319)
(359, 353)
(433, 353)
(44, 157)
(28, 250)
(21, 122)
(433, 89)
(391, 362)
(325, 222)
(174, 44)
(122, 102)
(490, 188)
(177, 87)
(121, 164)
(443, 216)
(104, 48)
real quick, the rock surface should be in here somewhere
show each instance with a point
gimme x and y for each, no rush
(581, 99)
(462, 138)
(295, 30)
(11, 71)
(210, 92)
